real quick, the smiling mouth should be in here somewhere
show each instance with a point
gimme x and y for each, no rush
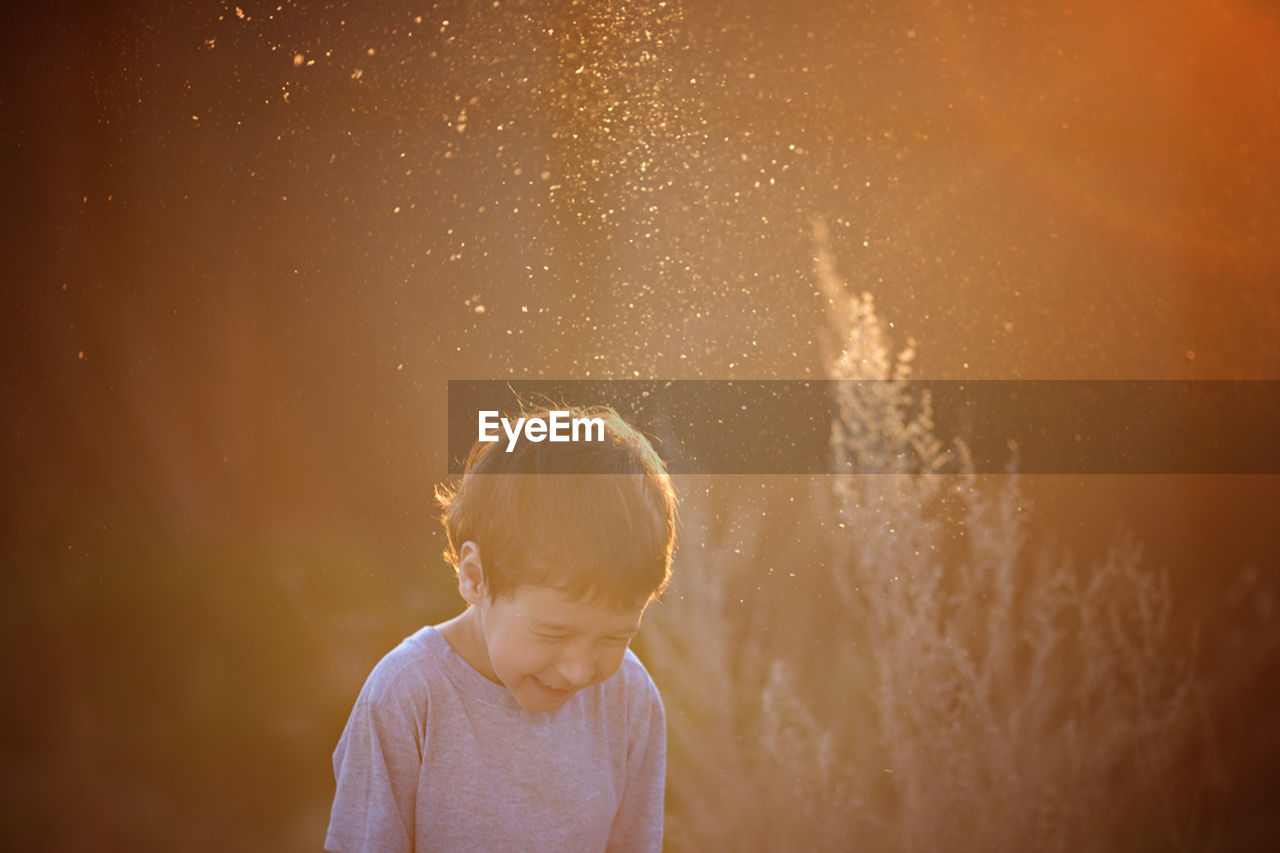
(559, 691)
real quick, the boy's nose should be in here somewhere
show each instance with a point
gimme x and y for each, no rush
(578, 671)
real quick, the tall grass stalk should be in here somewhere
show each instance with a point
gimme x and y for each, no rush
(961, 694)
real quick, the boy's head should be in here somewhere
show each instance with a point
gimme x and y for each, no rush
(594, 520)
(559, 548)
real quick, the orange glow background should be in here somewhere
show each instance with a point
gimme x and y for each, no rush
(246, 251)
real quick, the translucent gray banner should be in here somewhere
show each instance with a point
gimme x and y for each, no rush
(787, 426)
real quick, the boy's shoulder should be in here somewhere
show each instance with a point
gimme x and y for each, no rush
(409, 668)
(634, 677)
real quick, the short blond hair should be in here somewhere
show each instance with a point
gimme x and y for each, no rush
(595, 519)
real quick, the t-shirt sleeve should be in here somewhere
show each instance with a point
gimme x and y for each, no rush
(377, 764)
(638, 825)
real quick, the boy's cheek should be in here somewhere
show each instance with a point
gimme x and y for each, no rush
(614, 664)
(524, 660)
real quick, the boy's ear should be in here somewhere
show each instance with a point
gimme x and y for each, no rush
(471, 574)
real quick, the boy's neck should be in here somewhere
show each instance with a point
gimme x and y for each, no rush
(466, 637)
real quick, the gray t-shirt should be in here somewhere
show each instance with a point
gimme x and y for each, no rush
(437, 757)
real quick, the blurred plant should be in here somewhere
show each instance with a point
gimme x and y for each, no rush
(967, 697)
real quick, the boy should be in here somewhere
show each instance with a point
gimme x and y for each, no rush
(525, 723)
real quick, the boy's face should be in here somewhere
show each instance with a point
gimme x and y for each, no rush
(544, 646)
